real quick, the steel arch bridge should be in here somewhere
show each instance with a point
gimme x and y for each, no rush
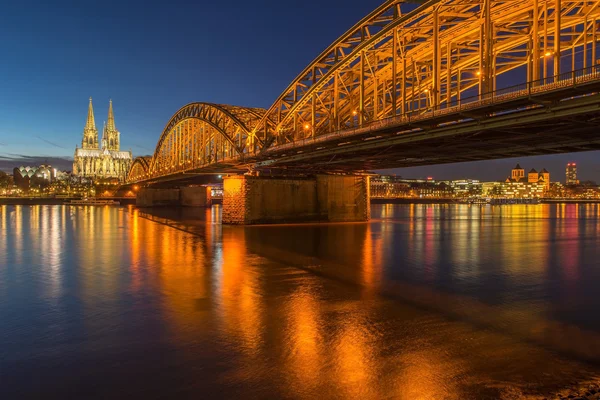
(397, 71)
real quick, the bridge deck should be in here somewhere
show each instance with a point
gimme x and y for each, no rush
(554, 118)
(558, 117)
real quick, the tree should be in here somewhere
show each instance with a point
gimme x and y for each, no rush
(5, 179)
(38, 182)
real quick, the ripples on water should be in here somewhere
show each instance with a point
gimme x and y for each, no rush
(425, 301)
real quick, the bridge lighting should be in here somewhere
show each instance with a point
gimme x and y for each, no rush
(478, 73)
(306, 126)
(548, 54)
(354, 112)
(426, 90)
(219, 177)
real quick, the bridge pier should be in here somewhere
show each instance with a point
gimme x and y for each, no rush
(188, 196)
(195, 196)
(251, 200)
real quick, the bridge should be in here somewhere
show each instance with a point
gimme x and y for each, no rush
(441, 82)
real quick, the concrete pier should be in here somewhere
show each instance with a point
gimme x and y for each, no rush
(195, 196)
(251, 200)
(190, 196)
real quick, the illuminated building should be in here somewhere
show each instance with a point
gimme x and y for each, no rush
(511, 189)
(545, 175)
(107, 161)
(389, 187)
(571, 174)
(518, 173)
(533, 176)
(466, 187)
(23, 176)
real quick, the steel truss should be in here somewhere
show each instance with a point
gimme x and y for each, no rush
(394, 63)
(201, 134)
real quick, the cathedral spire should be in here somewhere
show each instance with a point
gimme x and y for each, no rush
(90, 133)
(112, 134)
(110, 125)
(90, 123)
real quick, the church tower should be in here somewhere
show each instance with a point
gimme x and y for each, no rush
(90, 133)
(112, 134)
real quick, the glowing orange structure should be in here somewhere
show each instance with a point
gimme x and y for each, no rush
(400, 72)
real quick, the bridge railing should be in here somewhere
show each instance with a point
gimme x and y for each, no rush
(458, 106)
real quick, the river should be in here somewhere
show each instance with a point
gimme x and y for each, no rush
(423, 302)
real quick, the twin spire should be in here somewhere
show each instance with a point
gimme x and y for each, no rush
(110, 134)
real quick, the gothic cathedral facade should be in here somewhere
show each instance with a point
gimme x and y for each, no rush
(101, 160)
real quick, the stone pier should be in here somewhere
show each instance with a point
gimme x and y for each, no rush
(195, 196)
(251, 200)
(190, 196)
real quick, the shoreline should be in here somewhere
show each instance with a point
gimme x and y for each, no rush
(455, 201)
(54, 201)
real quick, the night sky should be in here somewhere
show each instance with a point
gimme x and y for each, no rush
(153, 57)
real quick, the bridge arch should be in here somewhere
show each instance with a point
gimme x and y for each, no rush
(199, 134)
(394, 63)
(394, 67)
(140, 169)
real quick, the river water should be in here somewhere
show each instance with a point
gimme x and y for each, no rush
(423, 302)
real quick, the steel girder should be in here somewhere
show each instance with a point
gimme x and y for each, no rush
(139, 170)
(392, 63)
(200, 134)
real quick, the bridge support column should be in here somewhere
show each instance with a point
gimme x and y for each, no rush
(147, 197)
(195, 196)
(251, 200)
(190, 196)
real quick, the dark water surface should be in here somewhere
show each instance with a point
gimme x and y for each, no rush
(423, 302)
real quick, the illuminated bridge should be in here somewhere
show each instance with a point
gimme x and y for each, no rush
(444, 81)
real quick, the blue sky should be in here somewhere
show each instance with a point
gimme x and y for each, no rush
(153, 57)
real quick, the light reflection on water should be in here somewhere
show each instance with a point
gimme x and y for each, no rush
(425, 301)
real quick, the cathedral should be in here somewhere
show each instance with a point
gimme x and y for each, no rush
(105, 160)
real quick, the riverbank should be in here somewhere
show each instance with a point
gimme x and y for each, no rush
(456, 201)
(414, 201)
(54, 201)
(570, 201)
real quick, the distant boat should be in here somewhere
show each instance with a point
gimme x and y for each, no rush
(504, 200)
(475, 200)
(93, 202)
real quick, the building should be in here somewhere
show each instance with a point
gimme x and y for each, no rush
(26, 177)
(466, 187)
(99, 160)
(571, 174)
(545, 175)
(389, 187)
(517, 174)
(514, 190)
(533, 176)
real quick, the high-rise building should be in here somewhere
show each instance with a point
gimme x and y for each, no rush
(571, 174)
(107, 161)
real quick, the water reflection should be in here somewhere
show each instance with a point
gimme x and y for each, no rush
(426, 301)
